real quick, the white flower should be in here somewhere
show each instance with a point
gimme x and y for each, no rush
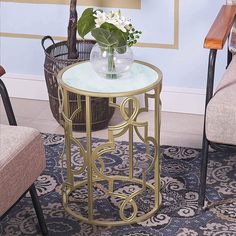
(112, 18)
(128, 25)
(100, 18)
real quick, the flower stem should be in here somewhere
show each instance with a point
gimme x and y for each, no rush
(111, 64)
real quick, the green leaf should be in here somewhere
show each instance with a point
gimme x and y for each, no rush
(109, 26)
(104, 37)
(120, 36)
(86, 22)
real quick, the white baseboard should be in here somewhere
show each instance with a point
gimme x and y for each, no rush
(26, 86)
(184, 100)
(174, 99)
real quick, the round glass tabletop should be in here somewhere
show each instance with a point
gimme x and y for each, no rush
(83, 79)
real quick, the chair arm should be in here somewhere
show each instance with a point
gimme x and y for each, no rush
(2, 71)
(221, 27)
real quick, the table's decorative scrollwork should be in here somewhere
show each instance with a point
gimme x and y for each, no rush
(92, 171)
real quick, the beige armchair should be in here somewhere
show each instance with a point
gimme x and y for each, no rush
(22, 160)
(220, 109)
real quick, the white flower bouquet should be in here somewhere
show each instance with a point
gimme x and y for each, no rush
(113, 33)
(109, 29)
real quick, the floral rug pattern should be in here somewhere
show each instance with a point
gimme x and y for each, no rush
(179, 214)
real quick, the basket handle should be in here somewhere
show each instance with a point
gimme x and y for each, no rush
(46, 38)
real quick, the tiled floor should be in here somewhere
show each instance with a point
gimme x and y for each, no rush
(176, 128)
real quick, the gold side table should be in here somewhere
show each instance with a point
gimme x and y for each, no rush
(143, 79)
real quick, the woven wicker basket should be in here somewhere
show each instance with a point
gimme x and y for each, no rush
(55, 60)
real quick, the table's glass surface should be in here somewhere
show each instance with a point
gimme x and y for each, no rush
(83, 77)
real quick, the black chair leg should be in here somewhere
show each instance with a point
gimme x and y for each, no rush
(205, 142)
(7, 104)
(38, 210)
(229, 57)
(203, 175)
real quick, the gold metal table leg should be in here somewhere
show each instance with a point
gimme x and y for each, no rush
(131, 141)
(89, 158)
(157, 137)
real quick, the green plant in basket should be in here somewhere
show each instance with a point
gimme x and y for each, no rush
(112, 31)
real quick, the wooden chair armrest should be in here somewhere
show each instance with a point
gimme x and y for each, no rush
(2, 71)
(220, 29)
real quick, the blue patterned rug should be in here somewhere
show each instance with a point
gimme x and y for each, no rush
(179, 214)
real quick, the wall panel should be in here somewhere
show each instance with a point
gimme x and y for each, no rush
(172, 39)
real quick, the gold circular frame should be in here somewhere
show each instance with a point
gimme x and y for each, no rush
(141, 218)
(112, 95)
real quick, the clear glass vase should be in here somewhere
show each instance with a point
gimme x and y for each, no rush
(111, 62)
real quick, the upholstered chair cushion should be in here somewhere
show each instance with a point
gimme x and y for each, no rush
(22, 159)
(221, 110)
